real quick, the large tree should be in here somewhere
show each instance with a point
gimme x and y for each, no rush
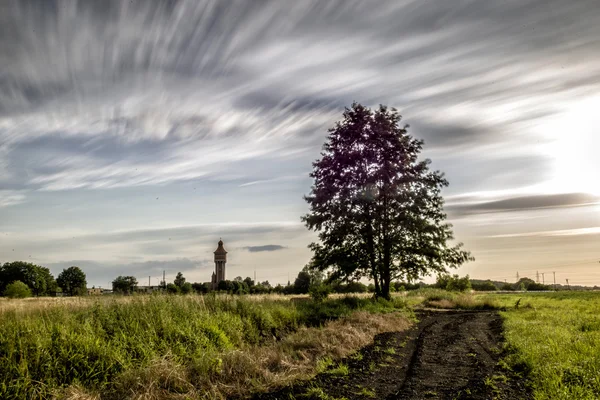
(72, 281)
(377, 208)
(37, 278)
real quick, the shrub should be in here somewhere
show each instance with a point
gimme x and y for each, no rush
(453, 282)
(319, 292)
(17, 290)
(172, 288)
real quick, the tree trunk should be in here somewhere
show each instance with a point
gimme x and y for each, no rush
(385, 265)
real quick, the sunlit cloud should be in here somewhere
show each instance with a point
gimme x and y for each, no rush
(564, 232)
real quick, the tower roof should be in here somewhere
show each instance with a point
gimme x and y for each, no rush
(220, 249)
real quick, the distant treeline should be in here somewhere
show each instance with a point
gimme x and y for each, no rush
(22, 279)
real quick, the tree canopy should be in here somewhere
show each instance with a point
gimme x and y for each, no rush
(38, 279)
(377, 208)
(72, 281)
(124, 284)
(179, 280)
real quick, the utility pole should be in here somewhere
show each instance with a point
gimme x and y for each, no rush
(537, 276)
(554, 273)
(543, 280)
(164, 280)
(517, 276)
(568, 286)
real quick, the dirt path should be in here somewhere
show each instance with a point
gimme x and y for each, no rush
(447, 355)
(454, 354)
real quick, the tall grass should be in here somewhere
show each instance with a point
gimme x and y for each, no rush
(97, 347)
(439, 298)
(554, 339)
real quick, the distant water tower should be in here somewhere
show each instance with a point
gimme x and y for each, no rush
(220, 261)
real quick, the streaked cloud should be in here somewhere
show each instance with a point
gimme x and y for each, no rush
(524, 203)
(563, 232)
(267, 247)
(11, 197)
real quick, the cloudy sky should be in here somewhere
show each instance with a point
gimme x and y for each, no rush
(134, 134)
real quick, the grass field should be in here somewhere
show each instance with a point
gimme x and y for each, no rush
(177, 346)
(553, 338)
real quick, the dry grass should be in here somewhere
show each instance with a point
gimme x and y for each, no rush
(44, 303)
(443, 303)
(258, 368)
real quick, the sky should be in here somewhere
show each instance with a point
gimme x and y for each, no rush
(135, 134)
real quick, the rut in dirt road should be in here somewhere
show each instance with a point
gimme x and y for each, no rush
(454, 353)
(448, 355)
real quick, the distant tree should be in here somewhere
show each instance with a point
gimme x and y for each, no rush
(50, 282)
(377, 208)
(17, 290)
(507, 286)
(72, 281)
(523, 284)
(302, 282)
(402, 286)
(39, 279)
(200, 287)
(530, 285)
(173, 288)
(239, 287)
(238, 279)
(187, 288)
(124, 284)
(453, 282)
(249, 282)
(356, 287)
(225, 286)
(485, 286)
(179, 280)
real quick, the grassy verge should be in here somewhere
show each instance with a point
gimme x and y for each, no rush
(159, 347)
(554, 339)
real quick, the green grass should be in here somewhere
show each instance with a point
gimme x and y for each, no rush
(42, 350)
(340, 370)
(366, 392)
(554, 339)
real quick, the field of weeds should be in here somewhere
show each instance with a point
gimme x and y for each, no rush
(161, 347)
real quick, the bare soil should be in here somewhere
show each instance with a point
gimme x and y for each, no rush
(447, 355)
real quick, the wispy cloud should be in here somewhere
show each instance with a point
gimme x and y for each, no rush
(524, 203)
(149, 93)
(267, 247)
(563, 232)
(11, 197)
